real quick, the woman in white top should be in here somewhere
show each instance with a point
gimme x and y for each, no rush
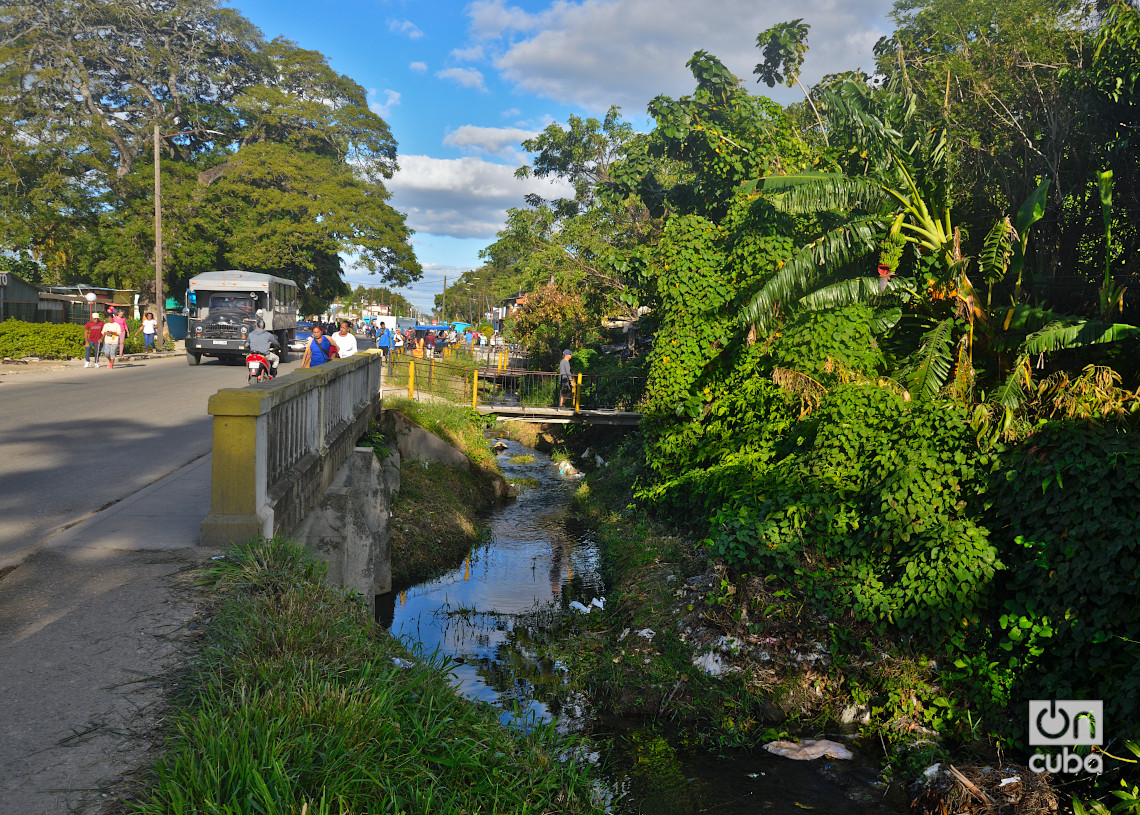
(149, 329)
(345, 340)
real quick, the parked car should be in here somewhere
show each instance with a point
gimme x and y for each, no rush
(302, 336)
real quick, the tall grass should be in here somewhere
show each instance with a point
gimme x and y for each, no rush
(298, 702)
(458, 424)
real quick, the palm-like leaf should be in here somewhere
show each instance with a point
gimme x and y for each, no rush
(1058, 335)
(1012, 392)
(846, 292)
(997, 251)
(803, 269)
(818, 193)
(930, 365)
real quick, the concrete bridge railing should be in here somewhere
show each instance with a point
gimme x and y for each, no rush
(278, 445)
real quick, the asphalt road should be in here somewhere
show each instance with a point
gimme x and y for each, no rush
(75, 440)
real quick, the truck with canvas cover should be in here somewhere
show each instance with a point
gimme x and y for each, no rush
(224, 309)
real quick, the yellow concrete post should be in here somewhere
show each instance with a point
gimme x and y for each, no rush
(411, 379)
(578, 395)
(474, 389)
(237, 488)
(431, 371)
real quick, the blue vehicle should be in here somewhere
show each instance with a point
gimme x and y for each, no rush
(302, 336)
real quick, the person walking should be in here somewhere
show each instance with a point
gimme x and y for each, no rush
(345, 341)
(112, 341)
(318, 350)
(385, 343)
(94, 329)
(121, 320)
(149, 330)
(565, 378)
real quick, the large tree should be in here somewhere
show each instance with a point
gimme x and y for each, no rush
(271, 161)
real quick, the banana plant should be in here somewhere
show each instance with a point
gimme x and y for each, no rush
(904, 194)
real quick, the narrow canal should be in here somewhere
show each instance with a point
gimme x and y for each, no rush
(488, 615)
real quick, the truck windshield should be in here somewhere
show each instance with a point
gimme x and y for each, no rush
(219, 302)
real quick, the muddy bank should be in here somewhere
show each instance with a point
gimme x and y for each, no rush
(436, 515)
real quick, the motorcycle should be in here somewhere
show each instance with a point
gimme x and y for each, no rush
(258, 367)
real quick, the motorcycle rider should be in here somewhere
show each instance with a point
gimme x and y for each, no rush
(262, 342)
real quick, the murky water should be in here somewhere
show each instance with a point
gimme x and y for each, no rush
(487, 616)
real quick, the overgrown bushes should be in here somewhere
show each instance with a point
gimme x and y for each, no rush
(20, 339)
(1015, 564)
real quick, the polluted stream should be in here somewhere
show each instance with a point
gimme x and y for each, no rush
(488, 614)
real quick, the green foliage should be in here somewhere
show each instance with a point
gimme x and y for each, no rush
(552, 319)
(812, 342)
(48, 340)
(870, 506)
(1065, 506)
(271, 161)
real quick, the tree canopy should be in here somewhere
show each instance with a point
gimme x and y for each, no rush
(271, 161)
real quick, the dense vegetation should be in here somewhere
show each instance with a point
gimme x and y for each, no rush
(893, 357)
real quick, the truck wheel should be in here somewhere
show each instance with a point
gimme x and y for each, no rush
(192, 358)
(283, 338)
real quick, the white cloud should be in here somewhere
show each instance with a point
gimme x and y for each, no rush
(595, 53)
(510, 113)
(471, 54)
(494, 141)
(467, 77)
(464, 197)
(405, 27)
(391, 99)
(418, 67)
(492, 18)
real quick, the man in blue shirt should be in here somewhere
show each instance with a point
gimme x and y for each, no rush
(385, 341)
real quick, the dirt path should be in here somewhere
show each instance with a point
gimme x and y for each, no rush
(84, 636)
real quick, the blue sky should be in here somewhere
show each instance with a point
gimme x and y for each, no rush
(461, 85)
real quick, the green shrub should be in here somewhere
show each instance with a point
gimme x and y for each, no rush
(874, 503)
(1066, 510)
(48, 340)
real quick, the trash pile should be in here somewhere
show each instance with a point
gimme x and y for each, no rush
(1011, 790)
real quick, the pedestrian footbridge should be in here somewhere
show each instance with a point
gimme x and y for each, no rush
(492, 386)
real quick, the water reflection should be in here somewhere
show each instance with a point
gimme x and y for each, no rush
(485, 613)
(488, 615)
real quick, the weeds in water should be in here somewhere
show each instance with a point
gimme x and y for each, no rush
(296, 702)
(525, 458)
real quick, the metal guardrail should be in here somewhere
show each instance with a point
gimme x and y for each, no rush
(483, 382)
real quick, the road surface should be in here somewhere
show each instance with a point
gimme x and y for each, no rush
(75, 440)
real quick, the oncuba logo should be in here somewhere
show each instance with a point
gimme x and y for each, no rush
(1066, 723)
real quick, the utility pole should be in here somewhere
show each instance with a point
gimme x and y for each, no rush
(445, 298)
(159, 302)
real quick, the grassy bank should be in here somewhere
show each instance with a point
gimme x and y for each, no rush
(297, 702)
(436, 514)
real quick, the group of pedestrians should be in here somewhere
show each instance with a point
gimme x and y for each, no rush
(322, 347)
(108, 337)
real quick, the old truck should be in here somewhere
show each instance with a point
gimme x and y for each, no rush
(225, 306)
